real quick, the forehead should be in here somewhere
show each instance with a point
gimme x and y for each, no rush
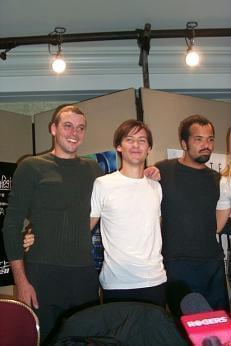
(133, 132)
(72, 117)
(201, 130)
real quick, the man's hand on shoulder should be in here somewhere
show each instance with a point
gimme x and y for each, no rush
(28, 240)
(152, 172)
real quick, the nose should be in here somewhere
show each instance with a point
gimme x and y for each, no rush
(135, 143)
(76, 131)
(208, 144)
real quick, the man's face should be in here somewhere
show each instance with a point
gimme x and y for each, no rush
(134, 148)
(200, 143)
(69, 134)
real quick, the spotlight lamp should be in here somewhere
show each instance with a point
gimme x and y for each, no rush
(58, 63)
(192, 57)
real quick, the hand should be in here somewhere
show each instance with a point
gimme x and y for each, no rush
(26, 294)
(153, 173)
(28, 240)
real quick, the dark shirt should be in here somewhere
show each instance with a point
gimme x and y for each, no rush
(188, 212)
(54, 194)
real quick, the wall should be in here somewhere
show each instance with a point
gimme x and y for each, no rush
(27, 71)
(163, 112)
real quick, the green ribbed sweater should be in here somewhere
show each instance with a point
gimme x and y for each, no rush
(54, 194)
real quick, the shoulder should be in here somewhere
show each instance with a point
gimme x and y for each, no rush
(156, 186)
(214, 174)
(225, 183)
(92, 165)
(166, 165)
(107, 178)
(31, 162)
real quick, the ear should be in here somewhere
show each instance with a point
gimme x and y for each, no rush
(53, 129)
(184, 145)
(119, 149)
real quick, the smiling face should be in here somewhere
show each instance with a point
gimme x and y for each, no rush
(134, 147)
(68, 134)
(199, 145)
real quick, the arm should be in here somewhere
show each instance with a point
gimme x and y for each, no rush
(18, 207)
(24, 290)
(222, 218)
(223, 204)
(96, 204)
(93, 222)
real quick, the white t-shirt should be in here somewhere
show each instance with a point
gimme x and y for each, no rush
(224, 201)
(130, 226)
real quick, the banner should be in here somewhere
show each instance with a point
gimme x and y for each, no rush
(6, 174)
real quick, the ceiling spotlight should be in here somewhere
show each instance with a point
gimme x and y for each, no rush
(58, 63)
(192, 57)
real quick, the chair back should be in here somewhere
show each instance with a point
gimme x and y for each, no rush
(19, 325)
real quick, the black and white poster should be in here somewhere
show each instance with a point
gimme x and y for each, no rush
(6, 174)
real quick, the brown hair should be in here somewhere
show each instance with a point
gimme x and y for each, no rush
(64, 108)
(184, 128)
(123, 130)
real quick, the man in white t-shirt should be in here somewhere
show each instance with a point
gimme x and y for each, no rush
(128, 206)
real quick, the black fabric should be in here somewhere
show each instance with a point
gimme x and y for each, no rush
(55, 195)
(121, 323)
(60, 288)
(204, 277)
(154, 295)
(188, 212)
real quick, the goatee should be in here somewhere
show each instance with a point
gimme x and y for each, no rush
(202, 158)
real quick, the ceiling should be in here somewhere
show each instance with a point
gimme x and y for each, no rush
(23, 18)
(32, 18)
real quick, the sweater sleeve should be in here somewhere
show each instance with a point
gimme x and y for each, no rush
(19, 204)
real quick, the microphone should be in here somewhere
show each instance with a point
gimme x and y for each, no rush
(203, 325)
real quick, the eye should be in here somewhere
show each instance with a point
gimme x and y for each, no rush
(80, 128)
(129, 140)
(198, 139)
(67, 126)
(142, 141)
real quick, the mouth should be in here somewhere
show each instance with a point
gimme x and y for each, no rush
(205, 152)
(135, 152)
(72, 140)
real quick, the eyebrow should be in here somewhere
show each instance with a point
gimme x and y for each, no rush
(199, 136)
(131, 136)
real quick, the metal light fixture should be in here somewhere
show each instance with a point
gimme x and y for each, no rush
(58, 63)
(192, 57)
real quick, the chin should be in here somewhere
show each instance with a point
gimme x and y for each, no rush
(202, 159)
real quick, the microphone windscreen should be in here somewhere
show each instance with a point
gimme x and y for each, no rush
(211, 341)
(194, 303)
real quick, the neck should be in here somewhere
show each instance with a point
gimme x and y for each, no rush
(184, 160)
(63, 155)
(135, 172)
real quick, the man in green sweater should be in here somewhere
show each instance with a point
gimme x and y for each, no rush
(53, 191)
